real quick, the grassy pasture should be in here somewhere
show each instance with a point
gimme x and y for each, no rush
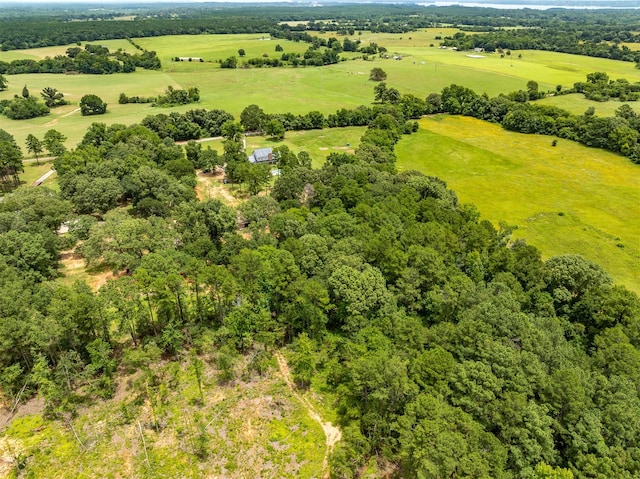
(577, 104)
(563, 199)
(44, 52)
(422, 70)
(215, 47)
(67, 119)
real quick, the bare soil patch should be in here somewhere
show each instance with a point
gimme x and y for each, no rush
(74, 268)
(210, 185)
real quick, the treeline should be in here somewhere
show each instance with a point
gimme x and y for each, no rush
(200, 123)
(598, 87)
(172, 97)
(450, 350)
(560, 27)
(93, 59)
(619, 133)
(321, 52)
(558, 38)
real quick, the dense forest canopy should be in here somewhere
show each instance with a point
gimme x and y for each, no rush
(38, 28)
(448, 348)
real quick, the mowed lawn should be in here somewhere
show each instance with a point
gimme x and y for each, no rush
(318, 143)
(563, 199)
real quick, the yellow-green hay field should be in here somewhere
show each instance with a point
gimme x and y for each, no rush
(563, 199)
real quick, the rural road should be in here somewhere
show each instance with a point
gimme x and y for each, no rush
(41, 180)
(331, 432)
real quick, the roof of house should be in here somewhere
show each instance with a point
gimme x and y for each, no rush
(261, 155)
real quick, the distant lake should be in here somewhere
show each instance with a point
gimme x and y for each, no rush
(519, 6)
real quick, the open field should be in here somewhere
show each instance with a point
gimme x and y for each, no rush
(563, 199)
(577, 104)
(423, 70)
(44, 52)
(67, 119)
(212, 48)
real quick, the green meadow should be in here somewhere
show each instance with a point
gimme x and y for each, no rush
(562, 199)
(423, 69)
(577, 104)
(212, 48)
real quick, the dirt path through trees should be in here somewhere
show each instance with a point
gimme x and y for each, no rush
(331, 432)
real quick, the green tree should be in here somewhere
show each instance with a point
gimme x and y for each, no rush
(54, 142)
(92, 105)
(122, 240)
(34, 146)
(258, 209)
(377, 74)
(257, 177)
(231, 62)
(569, 277)
(241, 52)
(232, 131)
(3, 83)
(10, 159)
(198, 369)
(253, 118)
(25, 92)
(544, 471)
(52, 97)
(438, 440)
(95, 195)
(304, 366)
(391, 95)
(532, 90)
(275, 129)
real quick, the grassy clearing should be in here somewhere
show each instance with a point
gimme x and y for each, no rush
(73, 268)
(563, 199)
(577, 104)
(318, 143)
(33, 171)
(253, 427)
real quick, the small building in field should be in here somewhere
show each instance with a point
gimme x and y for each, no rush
(262, 156)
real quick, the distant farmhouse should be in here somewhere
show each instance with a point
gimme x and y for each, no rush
(262, 156)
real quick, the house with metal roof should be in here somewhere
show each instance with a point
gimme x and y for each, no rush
(262, 156)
